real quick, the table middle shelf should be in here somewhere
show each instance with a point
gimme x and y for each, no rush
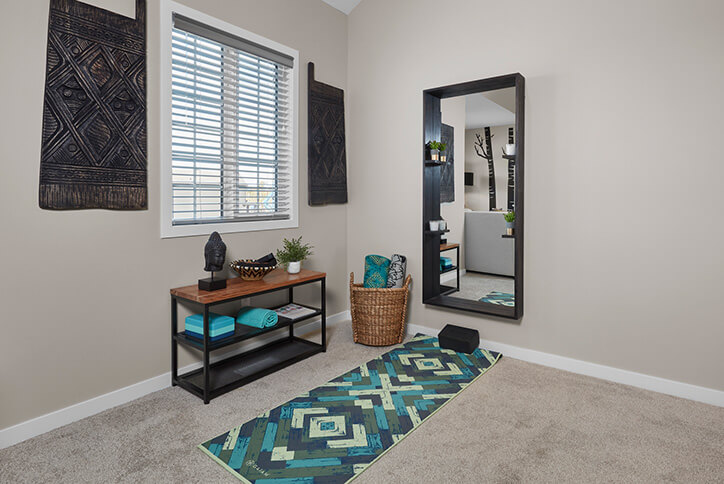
(241, 332)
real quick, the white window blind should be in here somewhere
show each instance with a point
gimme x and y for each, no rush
(231, 141)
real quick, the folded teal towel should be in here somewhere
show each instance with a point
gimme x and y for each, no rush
(257, 317)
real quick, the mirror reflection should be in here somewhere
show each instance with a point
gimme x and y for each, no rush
(477, 197)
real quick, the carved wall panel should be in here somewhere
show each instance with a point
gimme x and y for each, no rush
(94, 114)
(327, 158)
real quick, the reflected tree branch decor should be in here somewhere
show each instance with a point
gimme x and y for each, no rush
(484, 149)
(511, 173)
(93, 152)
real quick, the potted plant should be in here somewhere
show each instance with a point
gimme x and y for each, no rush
(434, 147)
(441, 147)
(293, 253)
(509, 222)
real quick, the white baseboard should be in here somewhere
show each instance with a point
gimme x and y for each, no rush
(451, 276)
(640, 380)
(45, 423)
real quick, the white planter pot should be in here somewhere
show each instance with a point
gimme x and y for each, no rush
(294, 267)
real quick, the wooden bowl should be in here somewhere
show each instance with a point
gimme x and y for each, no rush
(250, 272)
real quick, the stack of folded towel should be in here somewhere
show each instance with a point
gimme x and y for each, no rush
(257, 317)
(220, 326)
(445, 263)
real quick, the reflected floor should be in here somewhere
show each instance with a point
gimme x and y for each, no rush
(475, 286)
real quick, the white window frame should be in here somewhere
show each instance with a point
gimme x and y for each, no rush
(168, 230)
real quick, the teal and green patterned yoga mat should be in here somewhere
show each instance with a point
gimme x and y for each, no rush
(332, 433)
(499, 298)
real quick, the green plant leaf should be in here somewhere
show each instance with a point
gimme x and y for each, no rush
(293, 251)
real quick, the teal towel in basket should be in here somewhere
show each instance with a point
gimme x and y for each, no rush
(257, 317)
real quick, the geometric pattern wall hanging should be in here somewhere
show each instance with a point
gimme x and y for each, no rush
(332, 433)
(327, 158)
(93, 151)
(447, 169)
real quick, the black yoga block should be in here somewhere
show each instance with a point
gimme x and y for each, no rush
(456, 338)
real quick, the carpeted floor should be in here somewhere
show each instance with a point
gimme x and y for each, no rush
(473, 285)
(518, 423)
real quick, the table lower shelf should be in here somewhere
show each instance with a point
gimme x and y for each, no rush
(445, 290)
(235, 371)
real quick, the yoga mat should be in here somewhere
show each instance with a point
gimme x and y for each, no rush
(335, 431)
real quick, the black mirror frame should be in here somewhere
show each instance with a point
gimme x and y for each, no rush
(432, 120)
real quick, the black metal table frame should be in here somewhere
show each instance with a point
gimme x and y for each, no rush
(449, 289)
(206, 394)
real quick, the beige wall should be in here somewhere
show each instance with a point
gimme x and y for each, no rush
(84, 294)
(618, 271)
(453, 114)
(477, 197)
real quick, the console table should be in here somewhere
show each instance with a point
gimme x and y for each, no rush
(444, 289)
(214, 379)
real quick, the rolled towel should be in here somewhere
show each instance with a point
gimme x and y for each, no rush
(376, 270)
(268, 260)
(396, 274)
(257, 317)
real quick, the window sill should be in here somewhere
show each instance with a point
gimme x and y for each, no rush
(169, 231)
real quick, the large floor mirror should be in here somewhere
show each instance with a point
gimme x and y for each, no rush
(473, 236)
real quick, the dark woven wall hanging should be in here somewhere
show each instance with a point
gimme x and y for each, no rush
(447, 169)
(94, 115)
(327, 158)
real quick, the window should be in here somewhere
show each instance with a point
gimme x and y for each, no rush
(230, 159)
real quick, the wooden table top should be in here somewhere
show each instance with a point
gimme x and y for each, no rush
(237, 287)
(448, 246)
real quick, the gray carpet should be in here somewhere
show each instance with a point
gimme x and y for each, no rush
(519, 423)
(473, 285)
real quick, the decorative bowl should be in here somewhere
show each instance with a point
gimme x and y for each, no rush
(249, 272)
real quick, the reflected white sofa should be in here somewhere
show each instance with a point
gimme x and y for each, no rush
(485, 249)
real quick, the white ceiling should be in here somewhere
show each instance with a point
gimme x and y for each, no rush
(345, 6)
(481, 111)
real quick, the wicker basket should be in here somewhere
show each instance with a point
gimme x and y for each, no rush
(378, 315)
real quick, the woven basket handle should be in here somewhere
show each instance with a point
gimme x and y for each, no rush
(408, 281)
(351, 279)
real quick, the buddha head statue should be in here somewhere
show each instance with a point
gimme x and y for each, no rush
(215, 253)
